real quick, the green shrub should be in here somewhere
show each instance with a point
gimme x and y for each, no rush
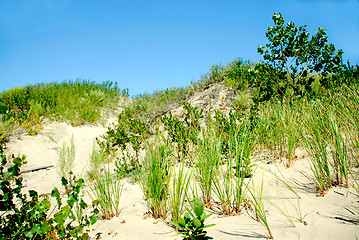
(129, 134)
(183, 133)
(32, 216)
(75, 101)
(291, 51)
(191, 226)
(239, 74)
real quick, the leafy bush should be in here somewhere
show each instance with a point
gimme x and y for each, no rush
(35, 218)
(4, 134)
(129, 134)
(185, 132)
(74, 101)
(178, 132)
(291, 51)
(191, 226)
(239, 74)
(268, 83)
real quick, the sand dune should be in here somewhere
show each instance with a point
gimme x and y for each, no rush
(327, 217)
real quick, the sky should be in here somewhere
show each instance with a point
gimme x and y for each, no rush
(151, 45)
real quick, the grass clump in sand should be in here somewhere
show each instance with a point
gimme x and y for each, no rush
(155, 178)
(207, 161)
(180, 180)
(65, 162)
(257, 199)
(105, 185)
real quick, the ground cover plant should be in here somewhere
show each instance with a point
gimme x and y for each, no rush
(191, 226)
(31, 216)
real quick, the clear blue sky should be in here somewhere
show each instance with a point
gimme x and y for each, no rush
(151, 45)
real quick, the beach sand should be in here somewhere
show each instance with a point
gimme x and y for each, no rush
(328, 217)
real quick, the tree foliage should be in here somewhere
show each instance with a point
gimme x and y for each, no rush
(291, 50)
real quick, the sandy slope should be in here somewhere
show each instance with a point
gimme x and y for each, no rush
(324, 216)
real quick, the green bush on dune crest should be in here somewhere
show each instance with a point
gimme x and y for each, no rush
(78, 102)
(291, 51)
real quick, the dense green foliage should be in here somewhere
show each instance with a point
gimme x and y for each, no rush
(291, 51)
(37, 218)
(183, 132)
(75, 101)
(191, 226)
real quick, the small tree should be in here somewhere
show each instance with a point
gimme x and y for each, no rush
(291, 51)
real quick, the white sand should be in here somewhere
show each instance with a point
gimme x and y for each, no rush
(324, 216)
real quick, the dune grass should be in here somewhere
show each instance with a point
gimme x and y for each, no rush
(207, 161)
(155, 179)
(229, 184)
(105, 186)
(278, 128)
(179, 185)
(77, 102)
(257, 199)
(65, 162)
(223, 188)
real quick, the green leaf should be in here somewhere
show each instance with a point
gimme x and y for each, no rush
(29, 234)
(181, 221)
(46, 204)
(176, 224)
(207, 226)
(66, 210)
(45, 228)
(64, 182)
(197, 223)
(60, 219)
(198, 207)
(94, 218)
